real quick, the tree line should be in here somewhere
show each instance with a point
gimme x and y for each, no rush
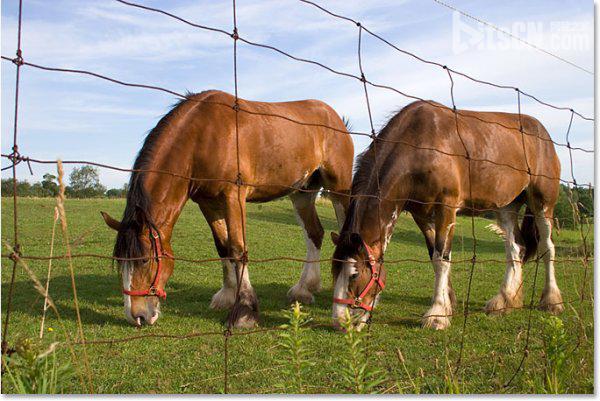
(84, 182)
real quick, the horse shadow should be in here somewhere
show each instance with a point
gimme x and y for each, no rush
(95, 293)
(101, 303)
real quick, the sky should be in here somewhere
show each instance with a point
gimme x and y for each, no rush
(76, 117)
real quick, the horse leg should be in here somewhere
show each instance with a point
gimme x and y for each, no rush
(511, 294)
(225, 297)
(438, 316)
(338, 180)
(551, 298)
(244, 313)
(340, 206)
(427, 227)
(310, 280)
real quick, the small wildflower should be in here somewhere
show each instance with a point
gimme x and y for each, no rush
(50, 329)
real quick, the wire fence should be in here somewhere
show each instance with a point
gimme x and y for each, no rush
(16, 157)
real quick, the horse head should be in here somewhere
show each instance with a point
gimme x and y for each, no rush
(146, 263)
(358, 278)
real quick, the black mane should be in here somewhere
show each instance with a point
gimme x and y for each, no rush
(365, 165)
(136, 215)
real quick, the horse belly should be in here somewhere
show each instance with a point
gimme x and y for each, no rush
(279, 178)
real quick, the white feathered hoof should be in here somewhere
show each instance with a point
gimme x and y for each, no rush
(552, 301)
(301, 294)
(223, 299)
(246, 316)
(501, 303)
(437, 318)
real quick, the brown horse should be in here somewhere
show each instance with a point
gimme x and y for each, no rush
(420, 159)
(284, 148)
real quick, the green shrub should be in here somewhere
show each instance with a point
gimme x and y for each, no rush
(357, 372)
(297, 357)
(555, 344)
(32, 371)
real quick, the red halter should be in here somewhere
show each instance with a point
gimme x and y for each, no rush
(153, 291)
(375, 278)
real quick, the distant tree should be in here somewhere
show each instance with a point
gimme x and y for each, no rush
(85, 183)
(23, 187)
(582, 197)
(118, 192)
(37, 190)
(50, 185)
(7, 187)
(114, 193)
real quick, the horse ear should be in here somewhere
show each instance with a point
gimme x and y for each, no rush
(356, 240)
(335, 238)
(112, 223)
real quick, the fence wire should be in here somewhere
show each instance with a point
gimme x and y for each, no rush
(15, 158)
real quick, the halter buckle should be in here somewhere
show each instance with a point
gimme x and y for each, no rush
(375, 275)
(152, 291)
(356, 303)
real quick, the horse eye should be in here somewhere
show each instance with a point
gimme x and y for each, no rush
(354, 276)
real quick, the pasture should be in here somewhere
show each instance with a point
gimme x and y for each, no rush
(493, 346)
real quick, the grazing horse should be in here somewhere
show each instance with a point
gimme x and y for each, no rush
(192, 153)
(421, 160)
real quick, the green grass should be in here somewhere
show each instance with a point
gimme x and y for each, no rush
(493, 345)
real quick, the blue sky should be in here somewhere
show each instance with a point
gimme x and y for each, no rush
(76, 117)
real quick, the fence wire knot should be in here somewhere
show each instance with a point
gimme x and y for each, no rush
(227, 333)
(238, 181)
(244, 257)
(16, 253)
(235, 35)
(18, 61)
(16, 158)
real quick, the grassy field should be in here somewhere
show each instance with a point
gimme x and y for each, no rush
(493, 345)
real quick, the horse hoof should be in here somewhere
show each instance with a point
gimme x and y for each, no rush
(223, 299)
(246, 319)
(501, 304)
(300, 294)
(436, 323)
(437, 318)
(552, 302)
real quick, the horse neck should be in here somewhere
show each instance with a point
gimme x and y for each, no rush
(367, 218)
(165, 185)
(374, 219)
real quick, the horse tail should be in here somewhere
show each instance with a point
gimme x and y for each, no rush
(530, 234)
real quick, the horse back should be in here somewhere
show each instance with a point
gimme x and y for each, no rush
(480, 159)
(279, 144)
